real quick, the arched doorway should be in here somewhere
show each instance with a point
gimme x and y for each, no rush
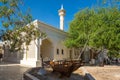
(47, 50)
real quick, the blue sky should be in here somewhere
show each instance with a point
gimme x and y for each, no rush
(47, 10)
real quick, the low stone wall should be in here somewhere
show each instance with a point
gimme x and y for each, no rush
(28, 76)
(88, 77)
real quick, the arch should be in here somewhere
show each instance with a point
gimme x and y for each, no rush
(47, 50)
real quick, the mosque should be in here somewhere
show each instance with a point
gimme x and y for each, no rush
(50, 48)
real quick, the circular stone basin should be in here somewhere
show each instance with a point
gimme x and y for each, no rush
(32, 74)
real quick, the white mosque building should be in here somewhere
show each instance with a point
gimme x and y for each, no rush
(51, 48)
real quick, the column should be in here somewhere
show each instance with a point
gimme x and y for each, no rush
(38, 53)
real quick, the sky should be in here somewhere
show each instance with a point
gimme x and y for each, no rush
(47, 10)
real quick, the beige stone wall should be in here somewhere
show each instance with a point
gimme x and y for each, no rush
(48, 48)
(57, 38)
(1, 50)
(30, 53)
(12, 56)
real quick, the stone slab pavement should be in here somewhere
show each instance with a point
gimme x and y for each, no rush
(108, 72)
(11, 71)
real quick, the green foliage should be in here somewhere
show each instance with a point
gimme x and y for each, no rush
(98, 28)
(80, 28)
(111, 3)
(113, 53)
(14, 23)
(108, 31)
(22, 35)
(11, 14)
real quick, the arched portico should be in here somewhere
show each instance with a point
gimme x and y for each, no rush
(47, 49)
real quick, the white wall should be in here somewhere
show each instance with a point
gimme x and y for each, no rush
(57, 38)
(31, 51)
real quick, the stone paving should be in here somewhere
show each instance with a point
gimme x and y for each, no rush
(108, 72)
(11, 71)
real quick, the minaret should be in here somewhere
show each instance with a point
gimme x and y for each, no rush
(61, 14)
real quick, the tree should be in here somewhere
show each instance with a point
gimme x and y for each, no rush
(108, 33)
(99, 29)
(111, 3)
(15, 28)
(79, 29)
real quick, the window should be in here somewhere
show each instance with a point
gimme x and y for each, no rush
(62, 51)
(70, 51)
(57, 51)
(70, 54)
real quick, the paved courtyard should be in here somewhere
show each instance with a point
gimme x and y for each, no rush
(111, 72)
(11, 71)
